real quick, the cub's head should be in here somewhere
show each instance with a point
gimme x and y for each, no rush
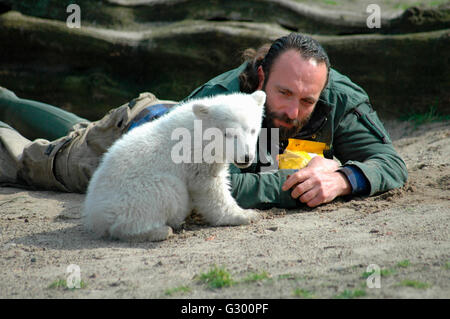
(231, 125)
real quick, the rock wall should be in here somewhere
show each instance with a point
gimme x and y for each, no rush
(170, 47)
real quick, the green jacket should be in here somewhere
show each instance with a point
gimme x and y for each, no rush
(343, 119)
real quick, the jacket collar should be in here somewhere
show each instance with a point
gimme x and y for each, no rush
(317, 120)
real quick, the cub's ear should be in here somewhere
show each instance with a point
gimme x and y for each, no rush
(260, 97)
(201, 111)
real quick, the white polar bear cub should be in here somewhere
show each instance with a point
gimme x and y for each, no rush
(139, 192)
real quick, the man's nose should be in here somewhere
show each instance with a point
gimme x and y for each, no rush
(292, 110)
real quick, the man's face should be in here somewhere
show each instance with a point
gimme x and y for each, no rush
(293, 89)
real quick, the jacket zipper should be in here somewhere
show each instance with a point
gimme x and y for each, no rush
(310, 134)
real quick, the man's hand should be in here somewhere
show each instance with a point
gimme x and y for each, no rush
(318, 182)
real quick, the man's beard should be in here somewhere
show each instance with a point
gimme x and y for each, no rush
(285, 132)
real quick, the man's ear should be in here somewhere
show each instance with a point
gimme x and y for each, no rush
(260, 78)
(201, 111)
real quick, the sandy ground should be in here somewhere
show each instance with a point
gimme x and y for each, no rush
(318, 253)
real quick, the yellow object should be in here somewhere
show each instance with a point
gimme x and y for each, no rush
(298, 153)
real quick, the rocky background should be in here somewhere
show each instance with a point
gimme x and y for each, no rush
(169, 47)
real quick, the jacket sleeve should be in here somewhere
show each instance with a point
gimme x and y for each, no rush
(262, 190)
(361, 140)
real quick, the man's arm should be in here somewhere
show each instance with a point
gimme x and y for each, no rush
(262, 190)
(360, 140)
(370, 163)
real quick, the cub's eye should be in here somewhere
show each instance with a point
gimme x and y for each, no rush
(253, 131)
(228, 135)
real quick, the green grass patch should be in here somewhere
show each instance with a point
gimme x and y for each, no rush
(350, 294)
(447, 265)
(217, 277)
(288, 276)
(62, 284)
(387, 272)
(330, 2)
(303, 293)
(437, 2)
(414, 284)
(254, 277)
(405, 6)
(404, 263)
(432, 115)
(181, 289)
(59, 283)
(383, 273)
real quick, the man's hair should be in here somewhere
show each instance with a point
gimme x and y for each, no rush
(267, 54)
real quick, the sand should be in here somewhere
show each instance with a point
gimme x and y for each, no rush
(323, 252)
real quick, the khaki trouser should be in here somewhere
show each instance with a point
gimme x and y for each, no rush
(67, 163)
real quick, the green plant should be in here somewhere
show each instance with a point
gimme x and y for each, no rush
(349, 294)
(217, 277)
(403, 264)
(437, 2)
(303, 293)
(256, 277)
(59, 283)
(405, 6)
(62, 284)
(432, 115)
(182, 289)
(383, 273)
(414, 284)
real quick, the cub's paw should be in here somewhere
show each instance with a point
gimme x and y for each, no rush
(247, 216)
(252, 215)
(235, 217)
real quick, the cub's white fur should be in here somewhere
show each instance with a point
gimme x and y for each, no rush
(139, 193)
